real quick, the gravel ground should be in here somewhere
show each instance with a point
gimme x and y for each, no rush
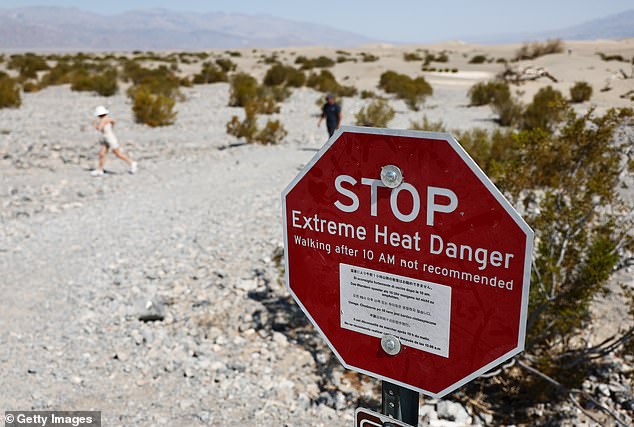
(156, 298)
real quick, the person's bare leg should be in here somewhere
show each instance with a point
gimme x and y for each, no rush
(122, 156)
(102, 156)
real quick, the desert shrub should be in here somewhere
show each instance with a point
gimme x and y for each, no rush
(613, 57)
(159, 80)
(325, 82)
(546, 109)
(227, 65)
(501, 61)
(210, 73)
(10, 96)
(30, 86)
(152, 109)
(426, 124)
(365, 94)
(243, 89)
(478, 59)
(27, 64)
(536, 49)
(319, 62)
(246, 128)
(280, 74)
(432, 57)
(376, 114)
(490, 92)
(233, 53)
(342, 52)
(272, 133)
(246, 90)
(411, 56)
(413, 91)
(104, 83)
(368, 57)
(580, 92)
(509, 111)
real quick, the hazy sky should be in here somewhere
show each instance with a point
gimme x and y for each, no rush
(392, 20)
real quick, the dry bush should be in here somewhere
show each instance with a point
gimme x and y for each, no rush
(537, 49)
(210, 73)
(426, 124)
(411, 56)
(27, 64)
(478, 59)
(377, 114)
(310, 63)
(509, 111)
(280, 74)
(104, 83)
(412, 91)
(227, 65)
(612, 57)
(61, 73)
(10, 96)
(159, 80)
(368, 57)
(580, 92)
(491, 92)
(432, 57)
(325, 82)
(244, 88)
(233, 53)
(272, 133)
(546, 109)
(152, 109)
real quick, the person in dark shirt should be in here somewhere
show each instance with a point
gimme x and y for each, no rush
(331, 111)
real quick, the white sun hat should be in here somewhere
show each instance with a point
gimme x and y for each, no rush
(101, 110)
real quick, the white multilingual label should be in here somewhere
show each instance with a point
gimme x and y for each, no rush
(375, 303)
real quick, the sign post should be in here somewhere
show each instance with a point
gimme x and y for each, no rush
(406, 258)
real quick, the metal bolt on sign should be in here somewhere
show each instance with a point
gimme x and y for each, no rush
(391, 176)
(391, 345)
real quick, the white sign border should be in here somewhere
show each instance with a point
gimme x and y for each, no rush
(492, 189)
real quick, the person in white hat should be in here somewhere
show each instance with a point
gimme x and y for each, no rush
(108, 141)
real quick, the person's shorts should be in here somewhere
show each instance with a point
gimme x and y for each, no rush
(111, 143)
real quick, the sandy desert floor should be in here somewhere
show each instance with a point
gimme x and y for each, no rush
(196, 232)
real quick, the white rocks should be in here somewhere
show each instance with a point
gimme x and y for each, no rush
(453, 411)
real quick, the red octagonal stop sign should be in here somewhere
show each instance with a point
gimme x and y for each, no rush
(399, 236)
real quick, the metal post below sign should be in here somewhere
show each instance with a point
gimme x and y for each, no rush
(399, 403)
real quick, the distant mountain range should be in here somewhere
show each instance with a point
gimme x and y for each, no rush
(617, 26)
(60, 28)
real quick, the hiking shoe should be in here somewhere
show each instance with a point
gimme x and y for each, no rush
(97, 172)
(134, 167)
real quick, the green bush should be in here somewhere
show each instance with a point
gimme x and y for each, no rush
(365, 94)
(233, 53)
(272, 133)
(580, 92)
(104, 84)
(244, 88)
(509, 111)
(152, 109)
(319, 62)
(536, 49)
(368, 57)
(546, 109)
(491, 92)
(10, 96)
(227, 65)
(427, 125)
(159, 80)
(413, 91)
(247, 128)
(325, 82)
(440, 57)
(27, 64)
(210, 73)
(280, 74)
(377, 114)
(478, 59)
(411, 56)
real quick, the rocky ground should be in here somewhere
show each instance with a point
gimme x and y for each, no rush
(156, 297)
